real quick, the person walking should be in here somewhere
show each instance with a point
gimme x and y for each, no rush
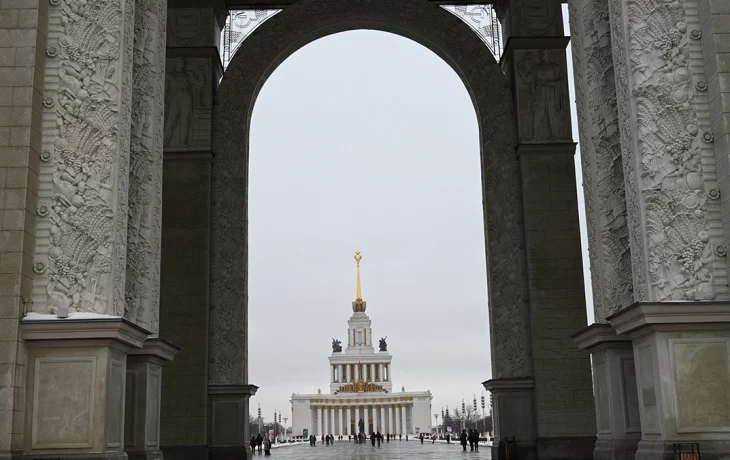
(476, 440)
(421, 438)
(400, 437)
(379, 437)
(267, 446)
(463, 439)
(448, 438)
(471, 439)
(253, 444)
(259, 441)
(433, 439)
(372, 438)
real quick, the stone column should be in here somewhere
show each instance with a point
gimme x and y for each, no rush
(372, 372)
(348, 422)
(404, 419)
(342, 421)
(228, 409)
(326, 415)
(376, 420)
(366, 411)
(332, 373)
(357, 373)
(391, 420)
(682, 363)
(670, 168)
(319, 421)
(383, 423)
(614, 387)
(397, 419)
(143, 397)
(76, 375)
(347, 370)
(555, 417)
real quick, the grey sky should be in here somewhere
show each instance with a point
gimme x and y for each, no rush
(366, 141)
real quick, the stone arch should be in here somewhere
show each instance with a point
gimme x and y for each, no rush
(452, 40)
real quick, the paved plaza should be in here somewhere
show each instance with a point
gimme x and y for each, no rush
(387, 451)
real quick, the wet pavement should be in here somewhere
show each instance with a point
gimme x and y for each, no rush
(394, 450)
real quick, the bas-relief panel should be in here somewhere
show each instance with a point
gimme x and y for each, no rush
(83, 192)
(542, 95)
(601, 156)
(188, 103)
(646, 381)
(63, 403)
(145, 171)
(702, 384)
(669, 198)
(115, 404)
(632, 419)
(190, 27)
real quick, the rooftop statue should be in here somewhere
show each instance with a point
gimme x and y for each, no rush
(383, 344)
(336, 346)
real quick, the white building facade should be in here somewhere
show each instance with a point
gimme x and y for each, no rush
(361, 389)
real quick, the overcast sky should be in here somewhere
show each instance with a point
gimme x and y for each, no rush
(366, 141)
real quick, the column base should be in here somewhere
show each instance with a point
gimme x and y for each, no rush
(229, 453)
(664, 450)
(525, 451)
(615, 449)
(568, 447)
(228, 435)
(185, 452)
(145, 455)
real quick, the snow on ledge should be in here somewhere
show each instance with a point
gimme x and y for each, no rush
(32, 316)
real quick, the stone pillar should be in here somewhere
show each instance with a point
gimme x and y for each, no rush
(397, 419)
(556, 421)
(228, 409)
(391, 420)
(383, 423)
(614, 386)
(349, 419)
(376, 417)
(357, 373)
(682, 362)
(670, 168)
(342, 421)
(319, 421)
(143, 397)
(76, 375)
(332, 373)
(372, 372)
(347, 370)
(608, 234)
(404, 419)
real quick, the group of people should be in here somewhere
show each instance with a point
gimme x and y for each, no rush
(259, 442)
(329, 440)
(472, 437)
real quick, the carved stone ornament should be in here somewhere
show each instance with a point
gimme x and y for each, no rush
(48, 102)
(663, 148)
(708, 137)
(721, 250)
(46, 156)
(39, 267)
(54, 2)
(52, 51)
(42, 211)
(696, 34)
(701, 85)
(714, 194)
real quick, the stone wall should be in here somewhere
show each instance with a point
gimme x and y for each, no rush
(185, 299)
(22, 42)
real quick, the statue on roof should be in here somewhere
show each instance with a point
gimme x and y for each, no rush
(383, 344)
(336, 346)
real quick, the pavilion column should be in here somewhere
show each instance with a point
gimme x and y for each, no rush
(391, 420)
(372, 372)
(383, 427)
(357, 373)
(342, 421)
(333, 417)
(403, 419)
(347, 370)
(675, 159)
(374, 408)
(397, 419)
(332, 373)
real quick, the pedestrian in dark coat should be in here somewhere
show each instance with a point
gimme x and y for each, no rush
(463, 439)
(421, 438)
(259, 441)
(372, 438)
(253, 444)
(267, 446)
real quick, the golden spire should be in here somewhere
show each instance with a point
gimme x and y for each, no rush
(358, 258)
(359, 305)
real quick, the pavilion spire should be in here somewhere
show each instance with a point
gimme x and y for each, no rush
(358, 305)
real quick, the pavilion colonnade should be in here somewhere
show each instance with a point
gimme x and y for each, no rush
(342, 418)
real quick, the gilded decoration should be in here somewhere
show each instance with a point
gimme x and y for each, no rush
(361, 386)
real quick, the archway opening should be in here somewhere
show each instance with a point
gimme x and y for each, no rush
(368, 141)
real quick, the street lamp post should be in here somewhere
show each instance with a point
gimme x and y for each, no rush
(259, 419)
(285, 435)
(484, 417)
(463, 414)
(436, 416)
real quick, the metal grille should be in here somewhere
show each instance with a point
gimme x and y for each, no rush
(239, 25)
(483, 20)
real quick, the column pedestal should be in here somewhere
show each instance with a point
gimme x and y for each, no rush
(682, 353)
(228, 434)
(614, 387)
(513, 416)
(142, 398)
(76, 375)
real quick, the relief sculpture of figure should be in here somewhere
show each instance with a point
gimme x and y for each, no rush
(549, 114)
(179, 106)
